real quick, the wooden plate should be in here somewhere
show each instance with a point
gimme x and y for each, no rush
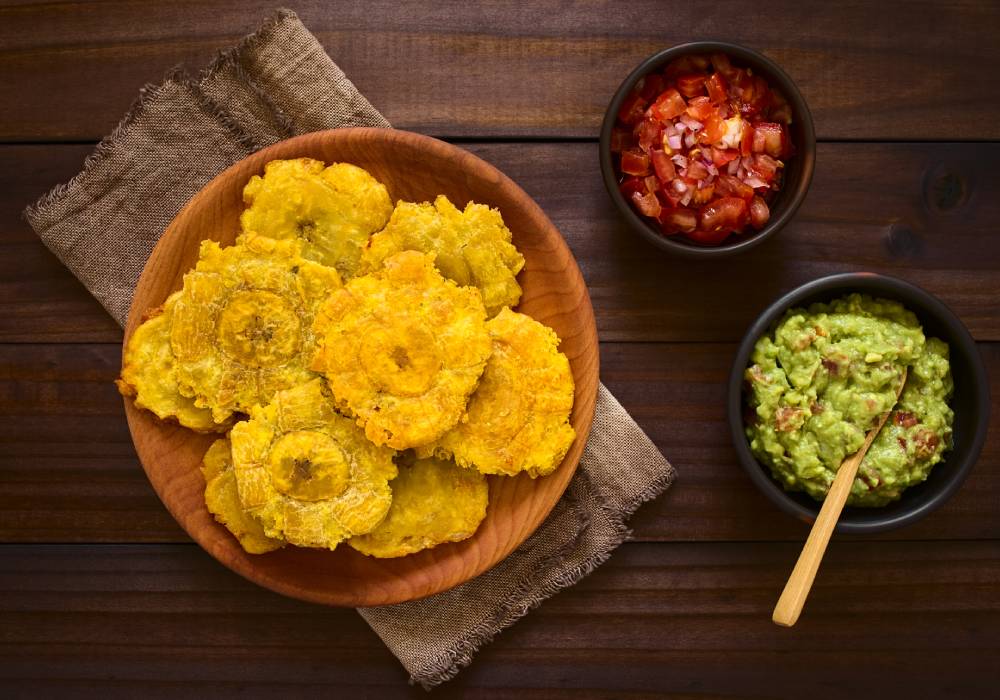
(415, 168)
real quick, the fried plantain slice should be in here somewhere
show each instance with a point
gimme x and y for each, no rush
(433, 501)
(402, 349)
(332, 209)
(223, 501)
(471, 247)
(518, 419)
(150, 377)
(242, 324)
(307, 473)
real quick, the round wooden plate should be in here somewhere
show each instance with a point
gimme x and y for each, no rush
(415, 168)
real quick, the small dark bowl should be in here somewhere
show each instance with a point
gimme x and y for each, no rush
(970, 402)
(798, 173)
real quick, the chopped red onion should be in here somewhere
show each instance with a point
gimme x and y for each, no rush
(692, 123)
(674, 141)
(679, 160)
(733, 166)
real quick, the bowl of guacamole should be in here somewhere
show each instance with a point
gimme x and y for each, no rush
(823, 363)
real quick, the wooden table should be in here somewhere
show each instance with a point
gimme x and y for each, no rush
(103, 593)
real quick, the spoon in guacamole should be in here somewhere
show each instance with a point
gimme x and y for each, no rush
(793, 598)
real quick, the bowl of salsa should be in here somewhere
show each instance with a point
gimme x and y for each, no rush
(707, 149)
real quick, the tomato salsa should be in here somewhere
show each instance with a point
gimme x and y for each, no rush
(702, 148)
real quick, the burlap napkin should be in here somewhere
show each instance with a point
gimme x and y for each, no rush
(277, 83)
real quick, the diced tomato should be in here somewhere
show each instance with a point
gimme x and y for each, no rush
(663, 166)
(765, 166)
(746, 138)
(716, 86)
(668, 105)
(772, 137)
(759, 212)
(621, 139)
(690, 63)
(709, 237)
(724, 214)
(700, 108)
(696, 170)
(715, 129)
(703, 195)
(722, 64)
(632, 109)
(761, 95)
(630, 186)
(648, 133)
(780, 111)
(691, 84)
(782, 114)
(635, 162)
(678, 220)
(647, 204)
(740, 86)
(722, 157)
(731, 186)
(652, 183)
(651, 87)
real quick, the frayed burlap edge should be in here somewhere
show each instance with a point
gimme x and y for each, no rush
(147, 95)
(232, 57)
(530, 594)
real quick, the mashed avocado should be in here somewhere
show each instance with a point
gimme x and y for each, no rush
(823, 378)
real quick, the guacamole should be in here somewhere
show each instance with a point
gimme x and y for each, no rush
(823, 378)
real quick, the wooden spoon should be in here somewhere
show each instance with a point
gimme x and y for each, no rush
(793, 598)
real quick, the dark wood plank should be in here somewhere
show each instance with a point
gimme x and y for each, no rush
(70, 473)
(885, 619)
(39, 299)
(875, 71)
(924, 212)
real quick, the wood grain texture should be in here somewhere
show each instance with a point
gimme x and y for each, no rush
(690, 619)
(70, 473)
(874, 71)
(923, 212)
(413, 168)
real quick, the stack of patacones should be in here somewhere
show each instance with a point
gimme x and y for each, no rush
(364, 361)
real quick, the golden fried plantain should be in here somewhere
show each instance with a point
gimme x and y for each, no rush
(333, 210)
(472, 248)
(242, 324)
(518, 419)
(433, 501)
(307, 473)
(149, 375)
(402, 349)
(223, 501)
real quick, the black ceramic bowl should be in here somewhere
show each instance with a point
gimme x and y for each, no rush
(971, 402)
(798, 173)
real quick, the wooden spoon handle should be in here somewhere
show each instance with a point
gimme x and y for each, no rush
(793, 598)
(789, 606)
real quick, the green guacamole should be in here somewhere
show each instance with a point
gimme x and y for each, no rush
(823, 379)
